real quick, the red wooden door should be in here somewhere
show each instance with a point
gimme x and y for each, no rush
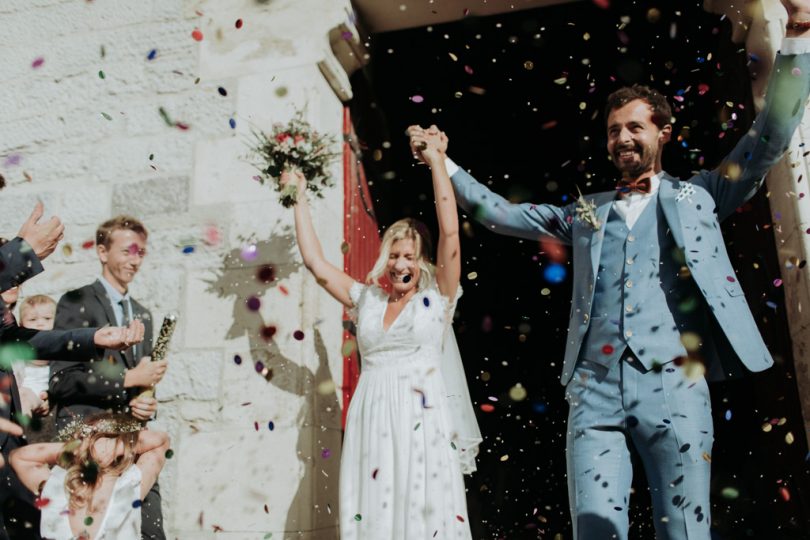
(360, 248)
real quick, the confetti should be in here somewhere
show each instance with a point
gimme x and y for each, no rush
(152, 54)
(238, 24)
(358, 517)
(106, 116)
(37, 63)
(374, 474)
(326, 453)
(101, 74)
(266, 273)
(270, 425)
(88, 244)
(169, 453)
(417, 99)
(730, 493)
(137, 503)
(197, 34)
(41, 502)
(487, 408)
(517, 393)
(249, 253)
(253, 303)
(237, 360)
(232, 123)
(298, 335)
(268, 332)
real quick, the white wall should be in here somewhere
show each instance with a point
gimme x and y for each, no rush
(225, 474)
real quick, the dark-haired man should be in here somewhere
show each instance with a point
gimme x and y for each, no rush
(642, 254)
(82, 389)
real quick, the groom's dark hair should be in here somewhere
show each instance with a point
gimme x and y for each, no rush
(661, 112)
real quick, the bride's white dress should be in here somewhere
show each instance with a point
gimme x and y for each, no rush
(400, 476)
(122, 519)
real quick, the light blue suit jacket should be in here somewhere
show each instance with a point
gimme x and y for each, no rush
(693, 211)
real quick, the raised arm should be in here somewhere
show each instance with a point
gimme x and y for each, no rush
(151, 450)
(334, 280)
(448, 254)
(32, 463)
(742, 172)
(523, 220)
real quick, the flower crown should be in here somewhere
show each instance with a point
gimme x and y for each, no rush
(78, 429)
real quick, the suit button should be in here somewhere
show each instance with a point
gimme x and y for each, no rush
(629, 309)
(587, 317)
(629, 260)
(628, 333)
(629, 283)
(631, 238)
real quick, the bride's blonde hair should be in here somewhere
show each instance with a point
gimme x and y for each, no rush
(406, 229)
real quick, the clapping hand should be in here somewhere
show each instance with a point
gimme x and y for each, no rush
(119, 337)
(42, 237)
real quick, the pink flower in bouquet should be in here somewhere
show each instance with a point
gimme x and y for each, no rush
(281, 137)
(299, 139)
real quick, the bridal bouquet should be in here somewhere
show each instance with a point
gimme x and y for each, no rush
(294, 146)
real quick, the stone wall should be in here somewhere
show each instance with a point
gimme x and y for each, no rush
(94, 124)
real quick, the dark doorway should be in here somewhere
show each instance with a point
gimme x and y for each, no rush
(521, 97)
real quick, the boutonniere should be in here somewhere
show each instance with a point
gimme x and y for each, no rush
(586, 211)
(685, 192)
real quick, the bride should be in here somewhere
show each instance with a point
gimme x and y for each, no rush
(410, 429)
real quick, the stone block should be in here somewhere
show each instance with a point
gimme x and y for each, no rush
(193, 374)
(157, 196)
(229, 475)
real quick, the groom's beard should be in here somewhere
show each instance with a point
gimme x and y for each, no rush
(636, 168)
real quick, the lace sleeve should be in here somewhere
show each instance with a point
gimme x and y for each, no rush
(356, 294)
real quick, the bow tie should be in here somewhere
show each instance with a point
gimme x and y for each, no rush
(642, 185)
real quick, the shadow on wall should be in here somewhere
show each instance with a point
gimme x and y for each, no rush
(247, 274)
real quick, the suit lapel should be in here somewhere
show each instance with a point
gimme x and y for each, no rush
(106, 303)
(604, 202)
(667, 193)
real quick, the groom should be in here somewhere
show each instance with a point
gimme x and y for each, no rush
(642, 255)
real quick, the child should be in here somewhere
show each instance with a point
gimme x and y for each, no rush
(36, 312)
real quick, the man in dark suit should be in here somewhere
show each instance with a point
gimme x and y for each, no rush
(19, 261)
(115, 384)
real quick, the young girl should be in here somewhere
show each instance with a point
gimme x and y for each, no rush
(406, 445)
(97, 479)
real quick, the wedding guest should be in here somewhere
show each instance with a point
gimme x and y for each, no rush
(99, 501)
(406, 445)
(114, 385)
(634, 362)
(20, 259)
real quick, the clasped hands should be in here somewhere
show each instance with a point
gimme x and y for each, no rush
(427, 145)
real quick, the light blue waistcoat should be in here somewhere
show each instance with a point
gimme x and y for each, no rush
(640, 271)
